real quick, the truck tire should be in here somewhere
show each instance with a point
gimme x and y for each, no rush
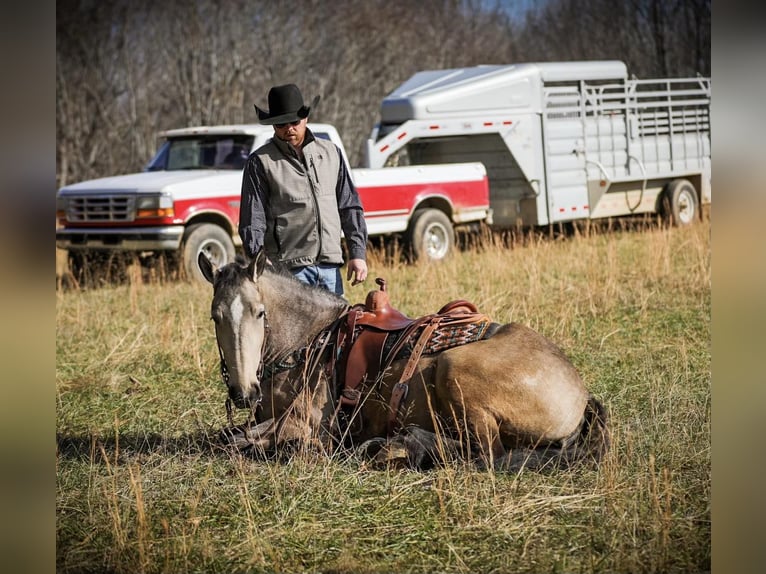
(430, 235)
(680, 203)
(211, 239)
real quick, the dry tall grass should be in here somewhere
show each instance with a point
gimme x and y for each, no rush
(141, 486)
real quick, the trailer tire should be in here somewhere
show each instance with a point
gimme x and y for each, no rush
(680, 203)
(210, 239)
(430, 235)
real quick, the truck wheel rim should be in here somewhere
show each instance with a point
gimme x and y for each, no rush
(436, 242)
(216, 252)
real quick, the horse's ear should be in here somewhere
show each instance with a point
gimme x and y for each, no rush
(257, 264)
(206, 266)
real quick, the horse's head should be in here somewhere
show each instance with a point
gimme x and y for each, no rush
(240, 325)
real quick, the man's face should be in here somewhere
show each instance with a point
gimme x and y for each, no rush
(293, 133)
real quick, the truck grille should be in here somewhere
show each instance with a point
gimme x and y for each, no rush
(102, 208)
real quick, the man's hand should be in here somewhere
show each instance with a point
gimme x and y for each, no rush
(357, 271)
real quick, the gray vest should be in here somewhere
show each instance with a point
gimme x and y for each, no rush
(303, 224)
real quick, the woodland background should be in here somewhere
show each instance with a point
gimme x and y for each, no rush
(126, 69)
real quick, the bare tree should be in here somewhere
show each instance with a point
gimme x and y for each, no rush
(127, 69)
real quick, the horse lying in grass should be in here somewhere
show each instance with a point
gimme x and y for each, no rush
(510, 399)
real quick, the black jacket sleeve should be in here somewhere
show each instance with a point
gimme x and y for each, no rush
(351, 213)
(253, 206)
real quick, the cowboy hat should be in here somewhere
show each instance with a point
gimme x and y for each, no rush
(285, 106)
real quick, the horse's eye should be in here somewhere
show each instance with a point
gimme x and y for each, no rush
(215, 316)
(261, 313)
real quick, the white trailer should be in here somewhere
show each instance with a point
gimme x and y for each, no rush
(560, 140)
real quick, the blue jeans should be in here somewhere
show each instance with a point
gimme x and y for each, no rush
(324, 276)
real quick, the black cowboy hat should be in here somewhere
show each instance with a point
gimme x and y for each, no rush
(285, 106)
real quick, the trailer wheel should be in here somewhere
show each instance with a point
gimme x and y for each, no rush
(430, 235)
(211, 239)
(680, 204)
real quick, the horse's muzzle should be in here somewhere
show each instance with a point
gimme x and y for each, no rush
(253, 399)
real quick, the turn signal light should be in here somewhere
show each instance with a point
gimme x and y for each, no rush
(157, 212)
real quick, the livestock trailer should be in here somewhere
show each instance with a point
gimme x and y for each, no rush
(560, 140)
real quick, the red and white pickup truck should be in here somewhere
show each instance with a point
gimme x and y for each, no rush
(187, 200)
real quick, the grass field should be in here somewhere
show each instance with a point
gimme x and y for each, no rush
(143, 487)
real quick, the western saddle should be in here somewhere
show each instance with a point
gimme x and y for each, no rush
(376, 335)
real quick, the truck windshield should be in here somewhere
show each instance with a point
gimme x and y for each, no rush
(217, 151)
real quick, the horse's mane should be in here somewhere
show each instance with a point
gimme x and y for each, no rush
(279, 272)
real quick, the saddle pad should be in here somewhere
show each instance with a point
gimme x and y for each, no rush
(445, 337)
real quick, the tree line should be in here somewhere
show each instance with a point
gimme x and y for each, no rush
(126, 69)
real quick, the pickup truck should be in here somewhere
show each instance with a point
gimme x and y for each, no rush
(186, 200)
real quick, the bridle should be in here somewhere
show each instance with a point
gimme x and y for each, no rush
(309, 356)
(225, 376)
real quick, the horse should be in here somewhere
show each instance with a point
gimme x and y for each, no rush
(510, 400)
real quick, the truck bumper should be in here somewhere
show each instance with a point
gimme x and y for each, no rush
(121, 239)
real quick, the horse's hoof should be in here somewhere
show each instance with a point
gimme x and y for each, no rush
(393, 455)
(239, 437)
(370, 448)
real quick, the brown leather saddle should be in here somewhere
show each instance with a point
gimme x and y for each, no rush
(376, 334)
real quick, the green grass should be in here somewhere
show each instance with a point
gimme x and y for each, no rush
(142, 486)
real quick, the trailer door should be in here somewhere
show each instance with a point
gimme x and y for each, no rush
(564, 142)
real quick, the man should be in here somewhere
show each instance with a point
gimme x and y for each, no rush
(297, 197)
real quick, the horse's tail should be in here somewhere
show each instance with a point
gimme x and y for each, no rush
(588, 444)
(594, 439)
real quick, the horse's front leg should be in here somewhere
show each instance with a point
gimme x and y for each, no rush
(269, 435)
(298, 421)
(261, 436)
(309, 419)
(316, 413)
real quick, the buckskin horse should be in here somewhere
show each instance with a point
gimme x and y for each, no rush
(315, 370)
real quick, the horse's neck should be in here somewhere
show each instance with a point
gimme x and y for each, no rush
(296, 314)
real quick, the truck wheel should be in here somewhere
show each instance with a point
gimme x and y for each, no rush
(680, 204)
(430, 235)
(211, 239)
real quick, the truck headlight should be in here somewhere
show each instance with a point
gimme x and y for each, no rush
(154, 206)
